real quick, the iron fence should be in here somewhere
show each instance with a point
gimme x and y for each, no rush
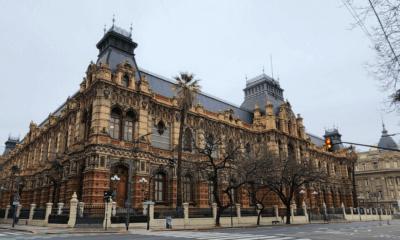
(298, 212)
(163, 212)
(355, 211)
(248, 212)
(24, 213)
(384, 212)
(373, 211)
(11, 212)
(92, 213)
(362, 211)
(282, 212)
(201, 213)
(135, 215)
(39, 213)
(2, 213)
(268, 212)
(229, 212)
(348, 211)
(61, 218)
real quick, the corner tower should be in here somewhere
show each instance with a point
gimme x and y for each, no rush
(336, 138)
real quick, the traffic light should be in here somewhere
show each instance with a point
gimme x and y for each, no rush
(172, 162)
(328, 143)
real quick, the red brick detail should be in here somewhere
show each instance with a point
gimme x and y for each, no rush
(156, 151)
(162, 98)
(129, 144)
(247, 125)
(211, 114)
(143, 146)
(104, 139)
(114, 142)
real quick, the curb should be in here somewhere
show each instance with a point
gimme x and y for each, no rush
(21, 230)
(122, 231)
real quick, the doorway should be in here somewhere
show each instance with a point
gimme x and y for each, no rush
(122, 186)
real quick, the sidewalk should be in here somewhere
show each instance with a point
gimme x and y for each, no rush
(50, 230)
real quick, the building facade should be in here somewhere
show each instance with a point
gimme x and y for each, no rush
(377, 171)
(93, 132)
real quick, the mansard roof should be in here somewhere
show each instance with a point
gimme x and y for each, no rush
(386, 141)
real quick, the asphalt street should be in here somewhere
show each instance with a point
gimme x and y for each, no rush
(332, 231)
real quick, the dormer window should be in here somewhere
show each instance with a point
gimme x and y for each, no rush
(125, 81)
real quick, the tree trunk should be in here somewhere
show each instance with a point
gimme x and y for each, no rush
(217, 219)
(258, 217)
(179, 170)
(288, 214)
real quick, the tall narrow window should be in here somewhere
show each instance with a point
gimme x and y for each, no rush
(55, 147)
(187, 189)
(290, 151)
(114, 123)
(290, 128)
(159, 187)
(65, 142)
(128, 128)
(125, 81)
(187, 146)
(40, 153)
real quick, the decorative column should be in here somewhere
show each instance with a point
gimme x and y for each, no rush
(144, 208)
(19, 206)
(7, 209)
(48, 212)
(276, 212)
(32, 211)
(114, 209)
(238, 211)
(214, 209)
(186, 212)
(72, 211)
(60, 207)
(107, 215)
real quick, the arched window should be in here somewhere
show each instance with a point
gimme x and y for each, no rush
(278, 127)
(336, 171)
(159, 187)
(290, 151)
(114, 123)
(319, 167)
(301, 154)
(128, 128)
(188, 195)
(290, 127)
(280, 148)
(125, 81)
(40, 153)
(87, 119)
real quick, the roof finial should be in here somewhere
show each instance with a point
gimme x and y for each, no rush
(246, 77)
(263, 69)
(104, 29)
(272, 69)
(113, 21)
(384, 131)
(131, 31)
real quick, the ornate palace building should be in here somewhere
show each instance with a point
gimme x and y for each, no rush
(92, 134)
(377, 171)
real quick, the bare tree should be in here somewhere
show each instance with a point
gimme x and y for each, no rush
(55, 176)
(257, 192)
(219, 160)
(384, 34)
(285, 175)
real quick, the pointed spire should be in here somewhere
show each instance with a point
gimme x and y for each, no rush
(263, 70)
(104, 29)
(131, 31)
(113, 20)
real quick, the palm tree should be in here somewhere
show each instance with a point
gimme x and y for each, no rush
(55, 176)
(186, 87)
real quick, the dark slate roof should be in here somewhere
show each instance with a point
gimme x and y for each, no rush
(10, 145)
(318, 141)
(386, 141)
(261, 100)
(336, 138)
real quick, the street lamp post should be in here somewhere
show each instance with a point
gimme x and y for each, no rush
(143, 182)
(134, 148)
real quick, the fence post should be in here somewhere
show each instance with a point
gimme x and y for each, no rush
(144, 208)
(32, 211)
(60, 207)
(324, 207)
(276, 213)
(304, 207)
(48, 211)
(151, 211)
(19, 206)
(239, 215)
(7, 209)
(214, 210)
(114, 209)
(292, 212)
(186, 213)
(72, 211)
(81, 206)
(107, 213)
(344, 210)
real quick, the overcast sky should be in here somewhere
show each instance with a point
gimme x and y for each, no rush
(46, 46)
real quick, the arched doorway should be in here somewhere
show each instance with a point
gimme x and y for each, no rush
(122, 186)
